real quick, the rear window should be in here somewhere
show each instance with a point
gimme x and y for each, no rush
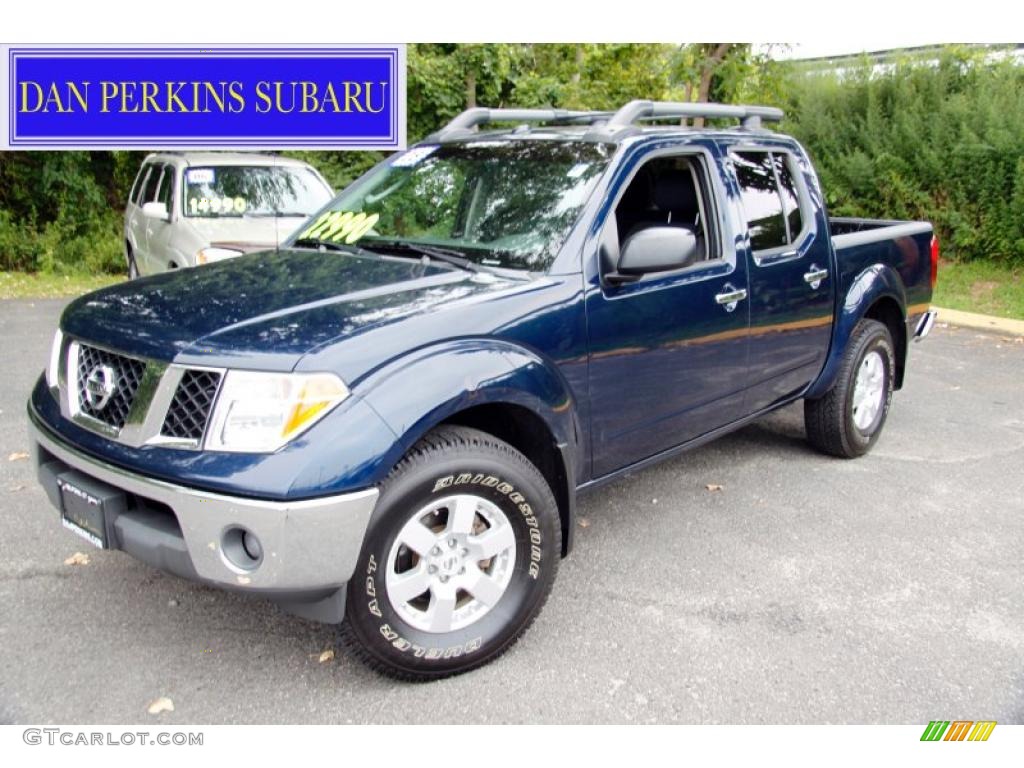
(165, 194)
(133, 196)
(771, 201)
(149, 193)
(790, 197)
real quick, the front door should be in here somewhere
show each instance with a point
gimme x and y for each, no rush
(668, 353)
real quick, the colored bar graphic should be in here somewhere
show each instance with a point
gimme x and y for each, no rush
(934, 730)
(959, 730)
(982, 730)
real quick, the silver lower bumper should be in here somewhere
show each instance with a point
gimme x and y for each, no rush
(307, 545)
(924, 325)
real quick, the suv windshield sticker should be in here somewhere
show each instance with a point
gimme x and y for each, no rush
(412, 157)
(199, 176)
(341, 226)
(215, 205)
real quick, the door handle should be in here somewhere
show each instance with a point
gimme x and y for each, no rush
(814, 277)
(730, 296)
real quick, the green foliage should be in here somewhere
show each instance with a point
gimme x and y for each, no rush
(942, 142)
(61, 211)
(988, 287)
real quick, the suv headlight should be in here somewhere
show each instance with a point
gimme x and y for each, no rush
(212, 253)
(53, 367)
(259, 412)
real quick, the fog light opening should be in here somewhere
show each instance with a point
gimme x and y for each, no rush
(242, 549)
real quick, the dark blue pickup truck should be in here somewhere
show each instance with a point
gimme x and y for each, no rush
(385, 424)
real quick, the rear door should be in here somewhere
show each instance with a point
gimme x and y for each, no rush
(158, 233)
(668, 353)
(144, 257)
(791, 273)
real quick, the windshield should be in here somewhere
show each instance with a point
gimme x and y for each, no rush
(240, 190)
(498, 203)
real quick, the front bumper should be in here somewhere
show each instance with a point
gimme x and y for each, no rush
(310, 547)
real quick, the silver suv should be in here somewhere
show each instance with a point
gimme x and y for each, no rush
(192, 208)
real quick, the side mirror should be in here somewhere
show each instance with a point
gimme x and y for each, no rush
(155, 210)
(655, 249)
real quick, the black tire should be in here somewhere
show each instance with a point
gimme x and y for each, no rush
(829, 420)
(133, 267)
(447, 461)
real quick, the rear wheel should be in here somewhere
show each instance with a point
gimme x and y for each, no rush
(133, 267)
(848, 420)
(458, 559)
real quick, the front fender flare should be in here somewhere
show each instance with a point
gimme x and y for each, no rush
(417, 392)
(872, 284)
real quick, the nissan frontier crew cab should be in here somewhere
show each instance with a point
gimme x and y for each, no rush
(386, 422)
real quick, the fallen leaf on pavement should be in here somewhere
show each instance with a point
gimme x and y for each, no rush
(714, 487)
(163, 704)
(584, 522)
(18, 456)
(79, 558)
(327, 655)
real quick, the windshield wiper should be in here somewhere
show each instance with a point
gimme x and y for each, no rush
(329, 245)
(431, 252)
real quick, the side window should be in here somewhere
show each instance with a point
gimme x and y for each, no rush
(140, 179)
(762, 204)
(165, 194)
(670, 191)
(790, 197)
(149, 190)
(771, 202)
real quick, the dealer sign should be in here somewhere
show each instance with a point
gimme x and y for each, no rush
(335, 97)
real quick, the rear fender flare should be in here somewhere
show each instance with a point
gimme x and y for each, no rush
(872, 284)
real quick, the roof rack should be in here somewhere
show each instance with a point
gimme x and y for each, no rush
(466, 122)
(750, 116)
(607, 124)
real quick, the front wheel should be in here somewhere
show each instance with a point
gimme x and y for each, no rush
(848, 420)
(458, 560)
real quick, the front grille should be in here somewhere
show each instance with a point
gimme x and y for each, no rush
(190, 409)
(123, 374)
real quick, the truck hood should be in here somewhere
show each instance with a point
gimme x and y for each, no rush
(266, 310)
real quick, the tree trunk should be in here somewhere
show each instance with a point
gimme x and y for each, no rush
(707, 72)
(579, 65)
(470, 90)
(687, 96)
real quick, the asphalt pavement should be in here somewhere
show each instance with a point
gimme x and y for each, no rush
(797, 589)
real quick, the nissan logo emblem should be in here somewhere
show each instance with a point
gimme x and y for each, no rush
(100, 386)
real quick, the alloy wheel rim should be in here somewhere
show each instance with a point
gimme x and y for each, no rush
(451, 563)
(868, 391)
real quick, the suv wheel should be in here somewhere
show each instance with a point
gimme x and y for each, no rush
(133, 267)
(458, 559)
(848, 420)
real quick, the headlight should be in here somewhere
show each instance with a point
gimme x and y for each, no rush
(212, 253)
(53, 367)
(259, 412)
